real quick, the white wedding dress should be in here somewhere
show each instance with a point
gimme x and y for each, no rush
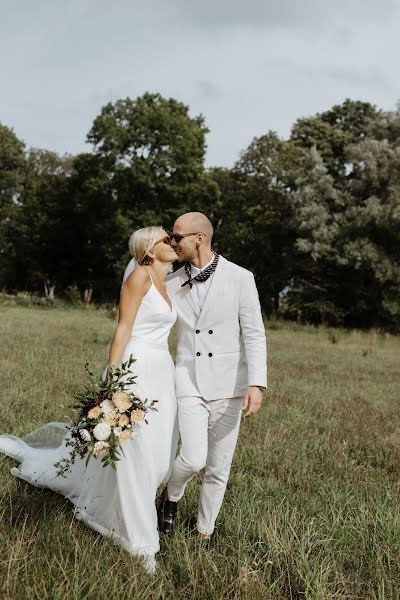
(118, 504)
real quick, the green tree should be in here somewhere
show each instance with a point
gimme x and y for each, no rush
(372, 223)
(12, 162)
(316, 286)
(347, 269)
(103, 228)
(256, 219)
(154, 152)
(146, 168)
(43, 233)
(332, 131)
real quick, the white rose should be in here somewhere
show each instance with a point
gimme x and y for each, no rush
(85, 435)
(124, 437)
(107, 407)
(137, 416)
(102, 431)
(100, 448)
(122, 401)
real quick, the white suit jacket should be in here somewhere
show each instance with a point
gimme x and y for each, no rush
(221, 348)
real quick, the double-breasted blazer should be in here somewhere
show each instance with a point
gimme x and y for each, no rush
(221, 347)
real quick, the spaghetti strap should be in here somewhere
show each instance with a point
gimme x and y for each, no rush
(167, 302)
(151, 279)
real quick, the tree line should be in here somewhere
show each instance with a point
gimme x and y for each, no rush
(316, 217)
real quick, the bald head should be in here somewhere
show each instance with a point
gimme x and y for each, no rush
(191, 239)
(196, 222)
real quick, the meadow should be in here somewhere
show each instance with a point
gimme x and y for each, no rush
(312, 508)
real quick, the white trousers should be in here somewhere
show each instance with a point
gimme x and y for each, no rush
(209, 431)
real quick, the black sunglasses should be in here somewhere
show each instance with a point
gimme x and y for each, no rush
(178, 237)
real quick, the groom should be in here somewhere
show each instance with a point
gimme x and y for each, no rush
(220, 366)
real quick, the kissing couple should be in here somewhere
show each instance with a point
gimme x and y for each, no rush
(220, 371)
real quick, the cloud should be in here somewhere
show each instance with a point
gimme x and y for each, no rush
(309, 14)
(207, 90)
(364, 78)
(248, 65)
(367, 77)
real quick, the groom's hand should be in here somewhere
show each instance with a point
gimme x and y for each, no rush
(252, 401)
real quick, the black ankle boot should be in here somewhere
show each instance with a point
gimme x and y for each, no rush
(169, 514)
(166, 512)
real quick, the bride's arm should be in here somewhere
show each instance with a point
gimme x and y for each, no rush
(132, 293)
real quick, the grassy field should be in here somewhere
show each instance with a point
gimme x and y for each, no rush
(312, 508)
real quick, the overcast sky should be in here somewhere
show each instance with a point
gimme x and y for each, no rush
(247, 65)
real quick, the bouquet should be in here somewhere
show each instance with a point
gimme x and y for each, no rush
(108, 415)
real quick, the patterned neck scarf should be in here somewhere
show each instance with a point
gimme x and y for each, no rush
(203, 275)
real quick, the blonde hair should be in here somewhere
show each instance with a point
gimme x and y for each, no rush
(143, 240)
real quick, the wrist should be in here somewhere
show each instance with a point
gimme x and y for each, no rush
(260, 387)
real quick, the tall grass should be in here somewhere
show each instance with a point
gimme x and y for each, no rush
(312, 506)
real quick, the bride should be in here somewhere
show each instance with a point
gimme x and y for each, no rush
(121, 503)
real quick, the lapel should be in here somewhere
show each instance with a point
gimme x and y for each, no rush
(215, 286)
(187, 296)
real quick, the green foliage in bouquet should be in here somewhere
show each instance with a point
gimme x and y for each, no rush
(109, 411)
